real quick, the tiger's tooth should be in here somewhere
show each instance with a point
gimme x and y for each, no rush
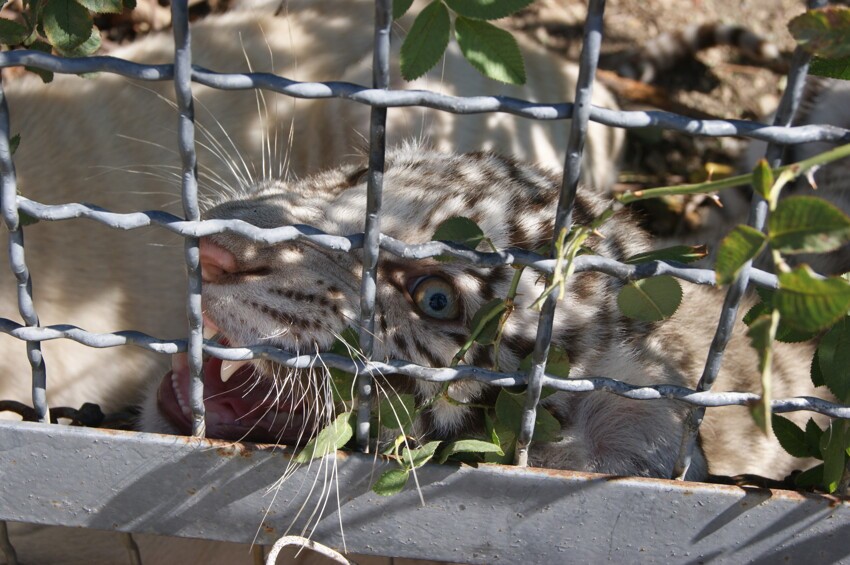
(230, 367)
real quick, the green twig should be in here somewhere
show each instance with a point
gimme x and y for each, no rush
(794, 171)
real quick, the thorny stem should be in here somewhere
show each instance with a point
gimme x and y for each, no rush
(794, 170)
(510, 306)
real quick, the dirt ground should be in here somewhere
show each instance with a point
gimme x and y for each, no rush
(716, 83)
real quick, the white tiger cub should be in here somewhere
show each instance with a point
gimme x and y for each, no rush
(111, 142)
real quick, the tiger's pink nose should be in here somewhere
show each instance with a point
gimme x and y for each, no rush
(216, 261)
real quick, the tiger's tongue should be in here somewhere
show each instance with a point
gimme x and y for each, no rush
(239, 409)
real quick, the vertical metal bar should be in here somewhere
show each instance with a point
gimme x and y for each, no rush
(186, 142)
(6, 545)
(374, 189)
(563, 218)
(757, 217)
(11, 217)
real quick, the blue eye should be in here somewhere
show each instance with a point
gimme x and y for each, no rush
(436, 298)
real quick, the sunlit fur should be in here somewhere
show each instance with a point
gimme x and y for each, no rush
(316, 293)
(112, 142)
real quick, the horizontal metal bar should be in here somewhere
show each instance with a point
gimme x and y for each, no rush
(346, 243)
(453, 104)
(215, 490)
(406, 368)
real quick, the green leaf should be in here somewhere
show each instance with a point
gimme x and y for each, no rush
(493, 51)
(742, 244)
(763, 179)
(86, 48)
(400, 8)
(808, 303)
(833, 356)
(810, 478)
(487, 9)
(761, 334)
(680, 253)
(38, 45)
(650, 300)
(813, 437)
(426, 42)
(469, 446)
(103, 6)
(333, 437)
(509, 409)
(807, 224)
(66, 23)
(832, 444)
(415, 458)
(129, 4)
(14, 142)
(12, 33)
(832, 68)
(791, 437)
(558, 362)
(397, 412)
(459, 230)
(784, 333)
(347, 345)
(816, 374)
(823, 32)
(485, 322)
(391, 482)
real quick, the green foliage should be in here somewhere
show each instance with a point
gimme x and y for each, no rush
(833, 443)
(509, 408)
(763, 179)
(784, 332)
(426, 42)
(650, 300)
(806, 224)
(12, 33)
(809, 303)
(493, 51)
(391, 482)
(678, 253)
(468, 446)
(487, 9)
(823, 32)
(400, 8)
(792, 438)
(833, 357)
(741, 245)
(831, 68)
(396, 412)
(64, 26)
(462, 231)
(342, 383)
(328, 440)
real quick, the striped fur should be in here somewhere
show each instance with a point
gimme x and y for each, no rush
(274, 295)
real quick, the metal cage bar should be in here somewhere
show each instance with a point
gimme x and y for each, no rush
(380, 98)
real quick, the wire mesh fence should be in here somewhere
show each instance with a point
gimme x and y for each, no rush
(373, 243)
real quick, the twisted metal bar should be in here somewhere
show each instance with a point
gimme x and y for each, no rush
(189, 184)
(374, 193)
(757, 218)
(17, 260)
(563, 218)
(446, 103)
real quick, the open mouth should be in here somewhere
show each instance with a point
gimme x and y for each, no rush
(240, 404)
